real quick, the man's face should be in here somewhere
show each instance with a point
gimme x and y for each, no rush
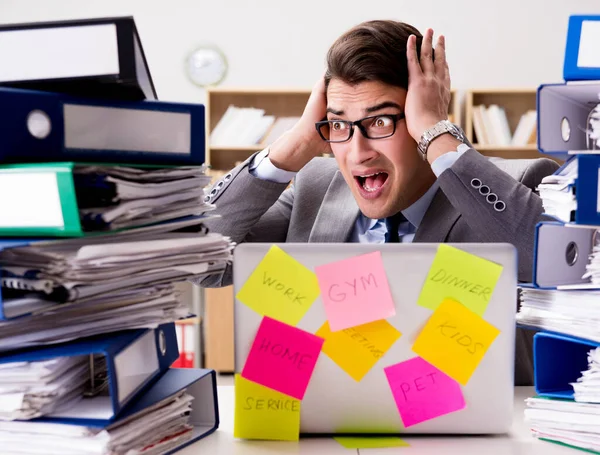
(385, 175)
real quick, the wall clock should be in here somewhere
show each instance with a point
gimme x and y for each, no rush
(206, 65)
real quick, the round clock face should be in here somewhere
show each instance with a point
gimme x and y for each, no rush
(206, 66)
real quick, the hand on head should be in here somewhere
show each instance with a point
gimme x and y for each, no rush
(303, 143)
(428, 96)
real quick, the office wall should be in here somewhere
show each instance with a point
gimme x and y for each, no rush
(507, 43)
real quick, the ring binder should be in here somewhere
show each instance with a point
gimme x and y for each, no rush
(94, 387)
(131, 359)
(100, 57)
(135, 132)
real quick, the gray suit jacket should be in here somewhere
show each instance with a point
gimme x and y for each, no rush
(319, 207)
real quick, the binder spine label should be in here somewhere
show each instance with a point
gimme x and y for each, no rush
(32, 54)
(30, 200)
(589, 53)
(135, 365)
(132, 130)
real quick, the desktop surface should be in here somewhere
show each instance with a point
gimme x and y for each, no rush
(517, 440)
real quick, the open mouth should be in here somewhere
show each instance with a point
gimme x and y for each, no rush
(372, 182)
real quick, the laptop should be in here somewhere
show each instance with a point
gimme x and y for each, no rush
(334, 402)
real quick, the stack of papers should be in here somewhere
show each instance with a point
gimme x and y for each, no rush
(117, 197)
(565, 310)
(565, 421)
(33, 389)
(593, 131)
(59, 290)
(592, 269)
(587, 387)
(575, 423)
(557, 192)
(141, 307)
(151, 431)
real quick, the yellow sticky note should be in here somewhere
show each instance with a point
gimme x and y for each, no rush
(263, 413)
(280, 287)
(357, 349)
(370, 442)
(461, 276)
(454, 340)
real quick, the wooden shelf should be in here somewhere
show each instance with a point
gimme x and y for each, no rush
(501, 148)
(277, 101)
(515, 153)
(237, 148)
(514, 101)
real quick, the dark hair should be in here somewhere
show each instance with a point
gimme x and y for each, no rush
(372, 51)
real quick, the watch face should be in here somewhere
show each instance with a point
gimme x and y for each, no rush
(206, 66)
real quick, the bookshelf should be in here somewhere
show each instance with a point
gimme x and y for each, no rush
(515, 102)
(279, 102)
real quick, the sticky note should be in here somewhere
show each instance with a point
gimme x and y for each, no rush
(422, 392)
(355, 291)
(455, 340)
(280, 287)
(282, 357)
(357, 349)
(263, 413)
(461, 276)
(370, 442)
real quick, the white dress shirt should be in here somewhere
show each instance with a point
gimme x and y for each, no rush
(367, 230)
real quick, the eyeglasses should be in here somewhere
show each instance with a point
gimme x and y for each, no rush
(373, 127)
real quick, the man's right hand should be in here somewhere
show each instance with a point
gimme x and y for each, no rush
(293, 150)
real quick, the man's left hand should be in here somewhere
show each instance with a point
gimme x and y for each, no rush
(428, 96)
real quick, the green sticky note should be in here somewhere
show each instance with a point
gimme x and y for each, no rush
(461, 276)
(368, 442)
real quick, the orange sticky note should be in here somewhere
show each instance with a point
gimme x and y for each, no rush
(280, 287)
(455, 340)
(357, 349)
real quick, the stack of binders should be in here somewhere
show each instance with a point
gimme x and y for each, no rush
(563, 301)
(102, 214)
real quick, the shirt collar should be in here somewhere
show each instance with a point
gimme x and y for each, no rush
(414, 214)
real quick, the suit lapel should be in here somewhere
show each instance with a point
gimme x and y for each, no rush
(438, 220)
(337, 215)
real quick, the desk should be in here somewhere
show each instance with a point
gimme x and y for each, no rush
(517, 441)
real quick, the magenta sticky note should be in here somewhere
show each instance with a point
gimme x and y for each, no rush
(282, 357)
(422, 392)
(355, 291)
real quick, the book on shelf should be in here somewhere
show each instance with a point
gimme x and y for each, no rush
(247, 126)
(491, 127)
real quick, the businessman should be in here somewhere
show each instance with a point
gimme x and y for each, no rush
(402, 172)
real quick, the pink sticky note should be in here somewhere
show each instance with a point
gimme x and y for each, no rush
(282, 357)
(355, 291)
(422, 392)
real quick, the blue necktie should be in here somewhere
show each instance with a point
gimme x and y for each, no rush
(393, 223)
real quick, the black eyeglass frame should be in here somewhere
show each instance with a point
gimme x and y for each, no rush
(395, 117)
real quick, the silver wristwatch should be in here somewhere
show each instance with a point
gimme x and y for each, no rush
(441, 127)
